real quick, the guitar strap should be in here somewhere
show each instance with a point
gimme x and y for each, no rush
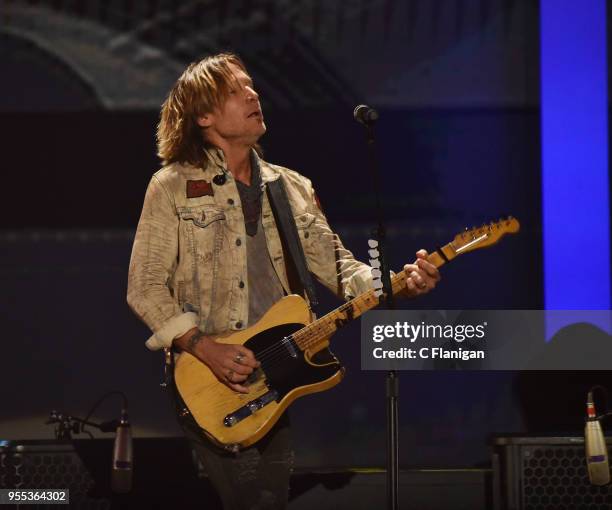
(283, 215)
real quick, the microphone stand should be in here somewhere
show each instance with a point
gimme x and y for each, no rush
(392, 381)
(68, 425)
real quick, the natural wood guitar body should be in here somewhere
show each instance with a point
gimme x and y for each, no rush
(285, 368)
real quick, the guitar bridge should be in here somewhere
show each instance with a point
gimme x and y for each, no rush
(250, 408)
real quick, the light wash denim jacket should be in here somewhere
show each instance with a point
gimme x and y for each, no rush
(188, 266)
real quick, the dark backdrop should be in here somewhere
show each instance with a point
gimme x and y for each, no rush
(456, 85)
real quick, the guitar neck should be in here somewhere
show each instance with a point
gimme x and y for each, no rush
(325, 326)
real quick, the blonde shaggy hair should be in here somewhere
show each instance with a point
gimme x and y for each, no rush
(202, 88)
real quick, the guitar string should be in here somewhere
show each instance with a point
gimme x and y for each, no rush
(306, 336)
(306, 333)
(303, 341)
(308, 329)
(312, 333)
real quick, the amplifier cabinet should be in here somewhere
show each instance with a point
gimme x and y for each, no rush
(544, 473)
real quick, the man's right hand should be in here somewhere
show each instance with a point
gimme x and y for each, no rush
(231, 364)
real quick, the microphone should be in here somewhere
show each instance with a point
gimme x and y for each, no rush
(365, 115)
(121, 476)
(595, 447)
(219, 179)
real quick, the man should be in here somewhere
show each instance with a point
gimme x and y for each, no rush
(207, 256)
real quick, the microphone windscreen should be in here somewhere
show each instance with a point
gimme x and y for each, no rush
(365, 114)
(357, 111)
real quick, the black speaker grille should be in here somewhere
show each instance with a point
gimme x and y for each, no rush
(555, 478)
(48, 466)
(57, 471)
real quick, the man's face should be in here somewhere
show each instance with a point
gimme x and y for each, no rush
(239, 119)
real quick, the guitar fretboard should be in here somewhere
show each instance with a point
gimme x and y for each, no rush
(325, 326)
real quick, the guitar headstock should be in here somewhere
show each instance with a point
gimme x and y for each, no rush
(485, 235)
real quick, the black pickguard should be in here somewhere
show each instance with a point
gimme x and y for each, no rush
(283, 371)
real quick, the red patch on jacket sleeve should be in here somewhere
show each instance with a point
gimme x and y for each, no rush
(199, 188)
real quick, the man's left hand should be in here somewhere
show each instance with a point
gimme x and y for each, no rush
(422, 276)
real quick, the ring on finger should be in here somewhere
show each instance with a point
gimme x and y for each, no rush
(238, 358)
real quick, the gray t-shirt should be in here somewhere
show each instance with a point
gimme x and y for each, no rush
(264, 286)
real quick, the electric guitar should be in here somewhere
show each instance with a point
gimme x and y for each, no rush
(294, 355)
